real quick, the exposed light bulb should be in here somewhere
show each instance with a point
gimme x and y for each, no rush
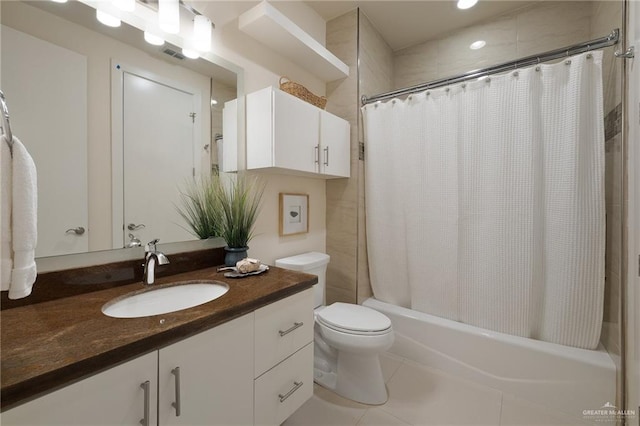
(153, 39)
(169, 16)
(190, 53)
(202, 33)
(477, 45)
(466, 4)
(106, 19)
(125, 5)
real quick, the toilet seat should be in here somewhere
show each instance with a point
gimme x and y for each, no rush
(354, 319)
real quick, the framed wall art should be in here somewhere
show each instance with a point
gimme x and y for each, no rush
(294, 214)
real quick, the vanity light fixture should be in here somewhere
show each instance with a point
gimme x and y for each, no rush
(202, 33)
(190, 53)
(169, 16)
(466, 4)
(479, 44)
(106, 19)
(153, 39)
(125, 5)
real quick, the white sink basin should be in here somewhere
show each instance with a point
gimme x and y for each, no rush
(164, 299)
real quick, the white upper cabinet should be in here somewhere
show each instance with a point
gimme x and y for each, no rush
(288, 135)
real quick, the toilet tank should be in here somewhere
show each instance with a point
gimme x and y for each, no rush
(311, 263)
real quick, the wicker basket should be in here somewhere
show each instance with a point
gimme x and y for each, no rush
(299, 91)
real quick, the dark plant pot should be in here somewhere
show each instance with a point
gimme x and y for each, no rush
(234, 254)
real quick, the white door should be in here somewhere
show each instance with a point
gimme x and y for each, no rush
(159, 157)
(46, 89)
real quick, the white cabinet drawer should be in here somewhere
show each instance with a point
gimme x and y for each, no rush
(282, 328)
(283, 389)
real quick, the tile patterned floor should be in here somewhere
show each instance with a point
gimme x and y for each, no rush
(422, 396)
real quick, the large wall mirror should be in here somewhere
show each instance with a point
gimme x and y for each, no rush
(117, 127)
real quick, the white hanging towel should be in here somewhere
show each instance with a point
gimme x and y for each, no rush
(6, 250)
(23, 207)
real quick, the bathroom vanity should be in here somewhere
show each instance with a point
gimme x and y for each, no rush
(244, 358)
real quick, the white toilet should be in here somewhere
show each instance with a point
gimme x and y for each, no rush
(347, 339)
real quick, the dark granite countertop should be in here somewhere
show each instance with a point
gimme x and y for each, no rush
(52, 344)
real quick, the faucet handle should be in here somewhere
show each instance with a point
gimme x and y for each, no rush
(151, 246)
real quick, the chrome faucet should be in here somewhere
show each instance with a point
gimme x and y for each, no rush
(152, 258)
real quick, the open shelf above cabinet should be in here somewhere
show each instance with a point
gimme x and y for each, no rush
(270, 27)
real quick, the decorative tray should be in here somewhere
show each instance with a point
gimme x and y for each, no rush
(233, 271)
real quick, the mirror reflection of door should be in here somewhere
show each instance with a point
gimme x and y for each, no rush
(160, 154)
(46, 90)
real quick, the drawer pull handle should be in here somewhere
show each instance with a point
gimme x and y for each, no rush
(145, 419)
(176, 405)
(289, 330)
(296, 386)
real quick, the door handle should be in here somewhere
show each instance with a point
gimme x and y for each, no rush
(78, 230)
(134, 227)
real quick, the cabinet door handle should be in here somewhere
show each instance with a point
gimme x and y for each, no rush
(145, 419)
(317, 152)
(326, 156)
(296, 386)
(290, 329)
(176, 405)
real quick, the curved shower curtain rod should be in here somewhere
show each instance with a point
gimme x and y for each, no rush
(586, 46)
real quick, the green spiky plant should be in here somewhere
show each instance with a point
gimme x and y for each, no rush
(200, 208)
(239, 203)
(212, 207)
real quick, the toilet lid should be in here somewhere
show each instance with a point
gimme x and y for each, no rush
(350, 317)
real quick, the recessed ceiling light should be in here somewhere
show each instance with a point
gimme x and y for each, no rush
(59, 1)
(466, 4)
(477, 45)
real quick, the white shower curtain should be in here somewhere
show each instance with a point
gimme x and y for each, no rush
(485, 201)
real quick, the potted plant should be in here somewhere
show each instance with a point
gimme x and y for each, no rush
(200, 208)
(214, 207)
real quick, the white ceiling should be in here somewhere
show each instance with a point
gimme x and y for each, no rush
(405, 23)
(401, 23)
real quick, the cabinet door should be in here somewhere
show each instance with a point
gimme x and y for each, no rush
(215, 378)
(296, 133)
(335, 147)
(113, 397)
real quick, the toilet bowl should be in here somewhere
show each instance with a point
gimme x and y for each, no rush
(348, 339)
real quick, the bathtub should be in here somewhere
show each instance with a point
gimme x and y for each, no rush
(564, 378)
